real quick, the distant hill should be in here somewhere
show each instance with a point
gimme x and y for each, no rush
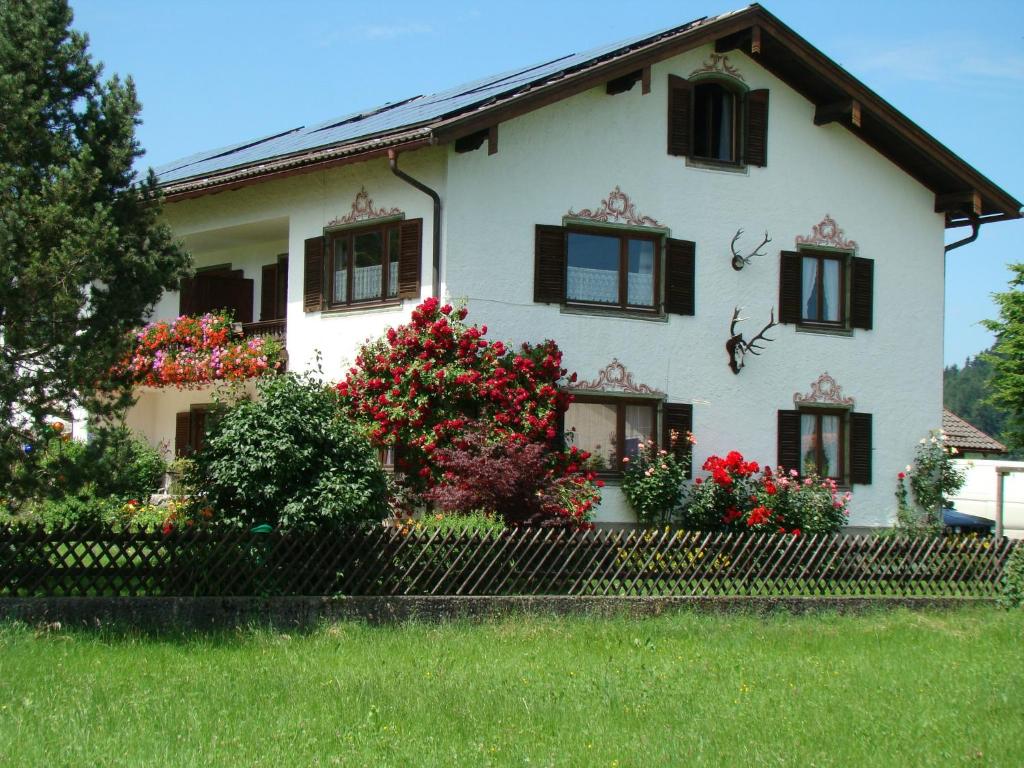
(964, 390)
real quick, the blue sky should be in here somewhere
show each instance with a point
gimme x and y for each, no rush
(215, 72)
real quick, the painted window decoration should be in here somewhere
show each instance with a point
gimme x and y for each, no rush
(714, 122)
(364, 265)
(610, 429)
(618, 270)
(821, 444)
(822, 289)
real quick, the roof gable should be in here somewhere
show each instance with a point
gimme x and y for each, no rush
(962, 193)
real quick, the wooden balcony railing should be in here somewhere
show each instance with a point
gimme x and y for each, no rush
(275, 328)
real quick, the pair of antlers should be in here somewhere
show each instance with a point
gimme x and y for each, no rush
(738, 347)
(738, 260)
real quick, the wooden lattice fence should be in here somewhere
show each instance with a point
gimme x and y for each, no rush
(524, 561)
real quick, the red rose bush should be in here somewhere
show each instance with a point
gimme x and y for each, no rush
(427, 385)
(740, 495)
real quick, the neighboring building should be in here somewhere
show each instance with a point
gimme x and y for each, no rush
(969, 441)
(598, 200)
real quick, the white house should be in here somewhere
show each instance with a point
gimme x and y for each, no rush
(616, 201)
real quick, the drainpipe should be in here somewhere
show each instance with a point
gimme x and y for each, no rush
(975, 228)
(393, 164)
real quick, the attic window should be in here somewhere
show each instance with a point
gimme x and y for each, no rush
(714, 122)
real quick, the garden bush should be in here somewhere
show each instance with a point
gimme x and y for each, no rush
(932, 480)
(289, 458)
(654, 482)
(512, 479)
(742, 496)
(419, 388)
(1012, 595)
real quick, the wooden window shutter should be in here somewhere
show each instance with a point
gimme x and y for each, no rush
(860, 448)
(234, 294)
(410, 253)
(789, 440)
(680, 276)
(862, 279)
(182, 433)
(549, 264)
(313, 275)
(756, 128)
(678, 418)
(790, 287)
(268, 292)
(679, 115)
(186, 296)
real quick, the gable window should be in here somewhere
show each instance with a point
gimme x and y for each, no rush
(717, 120)
(615, 269)
(364, 265)
(610, 428)
(823, 290)
(714, 122)
(619, 270)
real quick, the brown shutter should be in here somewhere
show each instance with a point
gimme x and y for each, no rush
(313, 275)
(862, 278)
(860, 448)
(790, 287)
(186, 296)
(789, 440)
(680, 278)
(182, 430)
(197, 433)
(549, 264)
(234, 295)
(678, 417)
(756, 129)
(410, 250)
(268, 292)
(679, 110)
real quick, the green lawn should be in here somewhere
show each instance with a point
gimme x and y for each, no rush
(887, 688)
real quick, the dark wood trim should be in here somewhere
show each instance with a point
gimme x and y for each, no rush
(845, 111)
(645, 80)
(492, 140)
(967, 202)
(471, 142)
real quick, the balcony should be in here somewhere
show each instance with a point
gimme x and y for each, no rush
(275, 328)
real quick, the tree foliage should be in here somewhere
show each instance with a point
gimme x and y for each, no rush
(1007, 356)
(83, 255)
(966, 391)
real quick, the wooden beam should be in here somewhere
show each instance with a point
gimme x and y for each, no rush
(959, 202)
(755, 40)
(492, 140)
(845, 111)
(624, 83)
(746, 40)
(645, 80)
(471, 141)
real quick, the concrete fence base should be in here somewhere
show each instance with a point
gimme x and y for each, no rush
(304, 612)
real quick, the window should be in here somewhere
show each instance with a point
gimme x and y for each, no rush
(610, 428)
(214, 289)
(363, 265)
(190, 429)
(714, 122)
(822, 291)
(825, 290)
(618, 270)
(827, 442)
(822, 450)
(718, 121)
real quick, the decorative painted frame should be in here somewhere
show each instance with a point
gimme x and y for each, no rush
(824, 391)
(615, 378)
(718, 64)
(363, 210)
(827, 234)
(617, 208)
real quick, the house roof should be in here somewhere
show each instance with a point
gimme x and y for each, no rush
(963, 193)
(964, 436)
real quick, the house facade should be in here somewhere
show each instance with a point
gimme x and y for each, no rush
(723, 231)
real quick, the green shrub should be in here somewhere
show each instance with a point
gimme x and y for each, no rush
(473, 522)
(289, 458)
(1013, 579)
(653, 483)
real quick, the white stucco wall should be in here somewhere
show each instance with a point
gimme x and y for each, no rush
(570, 155)
(596, 142)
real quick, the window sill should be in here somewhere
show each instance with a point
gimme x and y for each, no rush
(611, 312)
(825, 330)
(361, 308)
(716, 165)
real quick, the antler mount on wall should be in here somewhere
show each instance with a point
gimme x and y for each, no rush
(738, 347)
(738, 260)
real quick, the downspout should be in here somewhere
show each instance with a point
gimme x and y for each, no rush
(975, 229)
(393, 164)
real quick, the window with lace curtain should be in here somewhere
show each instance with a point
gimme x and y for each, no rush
(610, 428)
(608, 268)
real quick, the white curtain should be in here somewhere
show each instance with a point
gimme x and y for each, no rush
(725, 132)
(591, 427)
(340, 286)
(810, 286)
(830, 278)
(808, 443)
(587, 284)
(366, 283)
(639, 427)
(830, 446)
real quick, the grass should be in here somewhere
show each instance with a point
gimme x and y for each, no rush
(882, 689)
